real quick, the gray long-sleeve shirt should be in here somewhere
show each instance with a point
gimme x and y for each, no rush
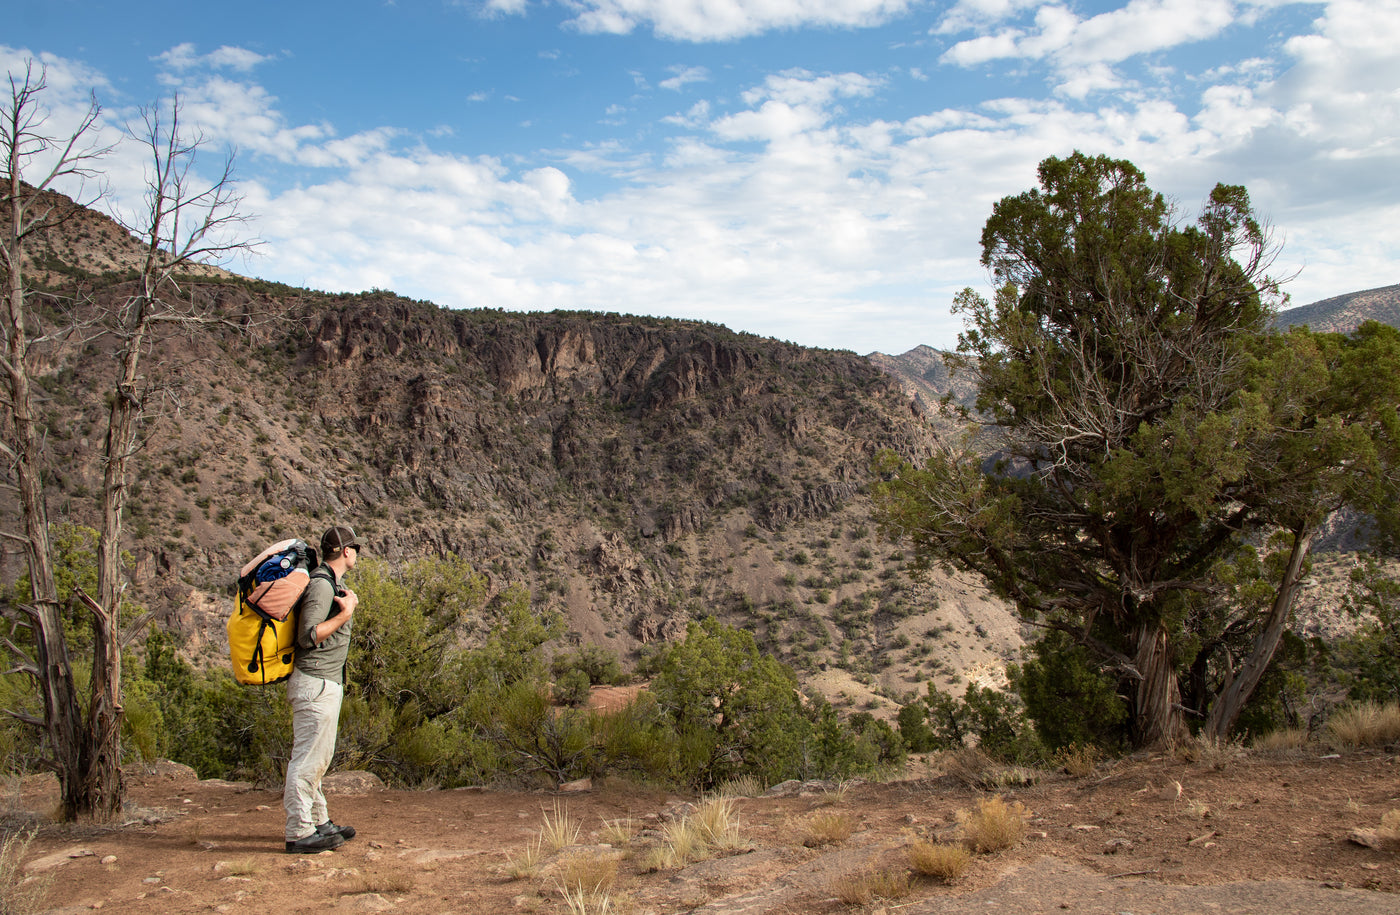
(326, 659)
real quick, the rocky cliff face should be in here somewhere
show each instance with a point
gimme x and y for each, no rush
(634, 473)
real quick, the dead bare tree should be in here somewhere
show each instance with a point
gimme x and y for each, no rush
(24, 142)
(184, 222)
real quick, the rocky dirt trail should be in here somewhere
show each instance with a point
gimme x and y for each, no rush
(1259, 834)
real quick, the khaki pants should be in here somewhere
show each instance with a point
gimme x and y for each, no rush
(315, 718)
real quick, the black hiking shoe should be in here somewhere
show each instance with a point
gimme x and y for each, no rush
(314, 843)
(330, 829)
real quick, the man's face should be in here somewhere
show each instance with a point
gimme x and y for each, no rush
(352, 553)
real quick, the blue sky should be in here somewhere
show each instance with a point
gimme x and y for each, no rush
(813, 170)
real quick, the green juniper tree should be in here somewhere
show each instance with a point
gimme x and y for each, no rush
(1154, 462)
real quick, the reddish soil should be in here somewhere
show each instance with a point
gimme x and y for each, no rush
(1264, 834)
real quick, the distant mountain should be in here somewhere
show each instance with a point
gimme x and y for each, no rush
(1344, 313)
(926, 375)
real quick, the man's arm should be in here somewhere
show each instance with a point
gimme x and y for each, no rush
(322, 612)
(346, 604)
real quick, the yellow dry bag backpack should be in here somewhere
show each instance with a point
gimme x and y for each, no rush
(262, 629)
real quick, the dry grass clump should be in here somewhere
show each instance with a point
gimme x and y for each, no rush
(828, 829)
(619, 833)
(243, 867)
(559, 831)
(862, 889)
(392, 883)
(834, 796)
(718, 823)
(1208, 751)
(713, 826)
(526, 864)
(681, 844)
(19, 894)
(1281, 742)
(741, 786)
(995, 825)
(1078, 761)
(590, 873)
(974, 769)
(1365, 724)
(581, 903)
(944, 862)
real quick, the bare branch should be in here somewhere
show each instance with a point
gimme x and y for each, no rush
(136, 627)
(104, 615)
(25, 718)
(26, 663)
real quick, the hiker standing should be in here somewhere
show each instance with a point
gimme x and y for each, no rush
(315, 689)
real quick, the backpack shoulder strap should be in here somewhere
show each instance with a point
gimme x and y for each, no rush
(320, 572)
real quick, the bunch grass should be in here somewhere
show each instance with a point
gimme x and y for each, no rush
(995, 825)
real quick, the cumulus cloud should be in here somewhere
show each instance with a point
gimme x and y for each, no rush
(776, 210)
(722, 20)
(1081, 50)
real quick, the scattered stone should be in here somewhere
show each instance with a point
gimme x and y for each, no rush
(82, 853)
(225, 783)
(577, 785)
(178, 772)
(353, 782)
(109, 859)
(1372, 838)
(1204, 840)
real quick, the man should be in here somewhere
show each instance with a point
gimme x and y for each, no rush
(314, 690)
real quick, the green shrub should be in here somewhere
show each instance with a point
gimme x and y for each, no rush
(1068, 698)
(986, 718)
(598, 665)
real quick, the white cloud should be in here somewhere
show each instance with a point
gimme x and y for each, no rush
(1079, 49)
(185, 57)
(491, 8)
(695, 116)
(721, 20)
(968, 13)
(775, 211)
(69, 82)
(684, 75)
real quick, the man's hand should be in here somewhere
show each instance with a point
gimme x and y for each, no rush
(347, 601)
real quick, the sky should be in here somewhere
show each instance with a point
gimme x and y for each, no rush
(817, 171)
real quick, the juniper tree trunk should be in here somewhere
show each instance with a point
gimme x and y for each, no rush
(1157, 701)
(1225, 710)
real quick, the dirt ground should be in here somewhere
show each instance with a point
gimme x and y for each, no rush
(1266, 834)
